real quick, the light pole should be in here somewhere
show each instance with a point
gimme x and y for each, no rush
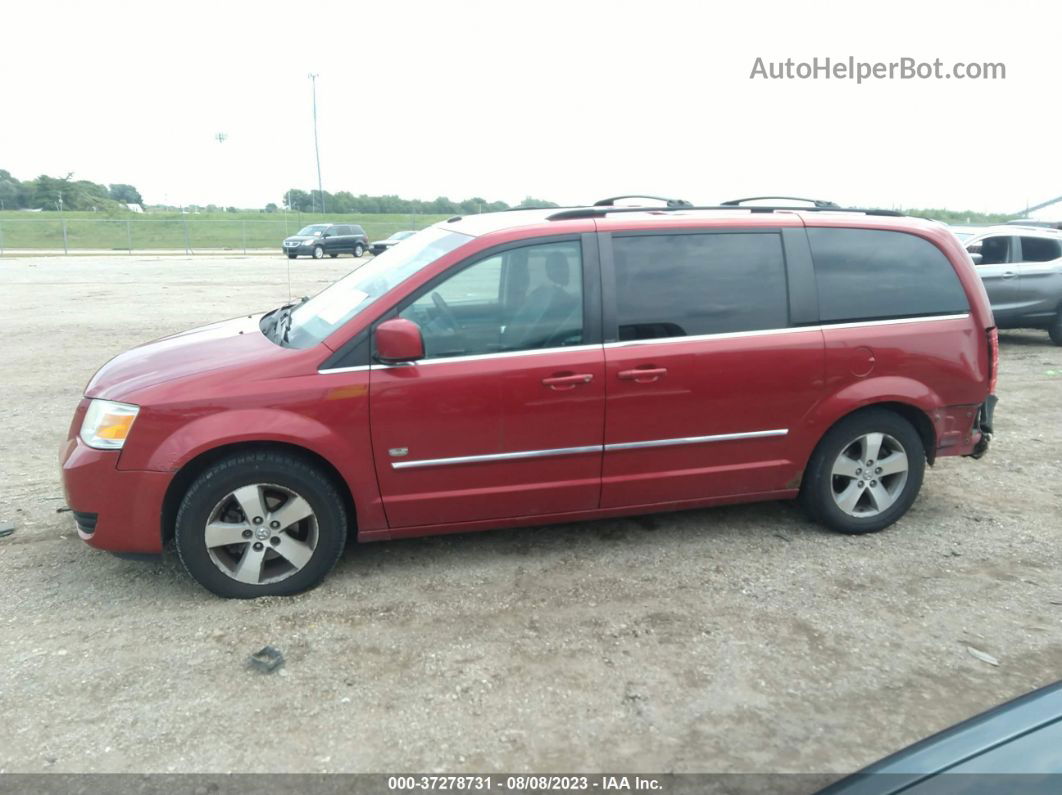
(316, 147)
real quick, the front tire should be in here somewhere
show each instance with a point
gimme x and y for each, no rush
(334, 254)
(292, 255)
(865, 473)
(1055, 329)
(318, 252)
(260, 524)
(359, 250)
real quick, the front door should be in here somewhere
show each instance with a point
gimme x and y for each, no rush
(999, 272)
(504, 415)
(706, 386)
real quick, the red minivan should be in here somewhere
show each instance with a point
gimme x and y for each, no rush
(539, 366)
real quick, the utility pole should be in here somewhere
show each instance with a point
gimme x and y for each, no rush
(316, 147)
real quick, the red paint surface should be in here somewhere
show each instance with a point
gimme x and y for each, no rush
(226, 384)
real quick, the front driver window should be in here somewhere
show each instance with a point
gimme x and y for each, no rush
(521, 299)
(993, 250)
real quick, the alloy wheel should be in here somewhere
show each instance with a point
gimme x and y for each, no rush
(261, 533)
(869, 475)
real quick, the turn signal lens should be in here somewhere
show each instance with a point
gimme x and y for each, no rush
(107, 424)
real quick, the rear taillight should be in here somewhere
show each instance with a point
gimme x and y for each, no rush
(993, 360)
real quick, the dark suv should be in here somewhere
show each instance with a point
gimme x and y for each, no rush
(317, 240)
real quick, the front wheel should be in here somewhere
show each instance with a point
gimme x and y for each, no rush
(359, 249)
(291, 255)
(1055, 329)
(260, 524)
(334, 254)
(318, 252)
(865, 473)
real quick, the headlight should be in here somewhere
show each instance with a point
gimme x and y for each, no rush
(107, 424)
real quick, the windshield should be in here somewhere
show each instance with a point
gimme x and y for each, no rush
(314, 320)
(312, 229)
(401, 235)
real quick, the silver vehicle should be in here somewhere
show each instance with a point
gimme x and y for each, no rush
(1021, 267)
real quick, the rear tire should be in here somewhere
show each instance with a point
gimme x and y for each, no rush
(359, 250)
(1055, 329)
(260, 524)
(844, 492)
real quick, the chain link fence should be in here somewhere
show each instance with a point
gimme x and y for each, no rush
(186, 235)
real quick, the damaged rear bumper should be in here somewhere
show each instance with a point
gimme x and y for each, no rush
(983, 425)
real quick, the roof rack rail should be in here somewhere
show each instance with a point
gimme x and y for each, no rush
(611, 200)
(600, 212)
(823, 203)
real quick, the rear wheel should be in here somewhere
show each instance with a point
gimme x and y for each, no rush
(865, 473)
(1055, 329)
(318, 252)
(260, 524)
(359, 249)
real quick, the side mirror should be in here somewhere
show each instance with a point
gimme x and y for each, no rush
(399, 340)
(326, 234)
(977, 258)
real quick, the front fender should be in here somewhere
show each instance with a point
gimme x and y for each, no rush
(350, 456)
(232, 427)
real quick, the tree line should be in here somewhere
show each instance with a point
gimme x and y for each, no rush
(346, 202)
(64, 193)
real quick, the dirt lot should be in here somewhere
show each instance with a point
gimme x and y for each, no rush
(732, 639)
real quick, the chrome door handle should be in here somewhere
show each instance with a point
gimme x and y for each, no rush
(563, 382)
(1009, 274)
(643, 375)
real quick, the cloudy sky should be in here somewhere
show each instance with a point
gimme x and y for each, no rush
(568, 101)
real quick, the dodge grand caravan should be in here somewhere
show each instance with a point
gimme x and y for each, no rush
(540, 366)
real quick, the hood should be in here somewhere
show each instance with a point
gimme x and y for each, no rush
(226, 344)
(301, 238)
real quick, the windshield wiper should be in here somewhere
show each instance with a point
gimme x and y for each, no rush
(282, 322)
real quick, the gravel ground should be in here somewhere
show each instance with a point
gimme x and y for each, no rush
(732, 639)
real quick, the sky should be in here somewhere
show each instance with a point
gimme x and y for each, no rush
(567, 101)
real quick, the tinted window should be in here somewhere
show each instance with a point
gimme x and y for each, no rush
(866, 274)
(356, 230)
(1039, 249)
(520, 299)
(994, 250)
(687, 284)
(344, 230)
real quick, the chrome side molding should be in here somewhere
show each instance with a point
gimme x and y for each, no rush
(719, 437)
(593, 448)
(477, 459)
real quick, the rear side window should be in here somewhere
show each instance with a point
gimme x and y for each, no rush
(689, 284)
(870, 274)
(1039, 249)
(356, 230)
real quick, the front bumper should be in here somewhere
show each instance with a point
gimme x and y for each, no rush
(115, 509)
